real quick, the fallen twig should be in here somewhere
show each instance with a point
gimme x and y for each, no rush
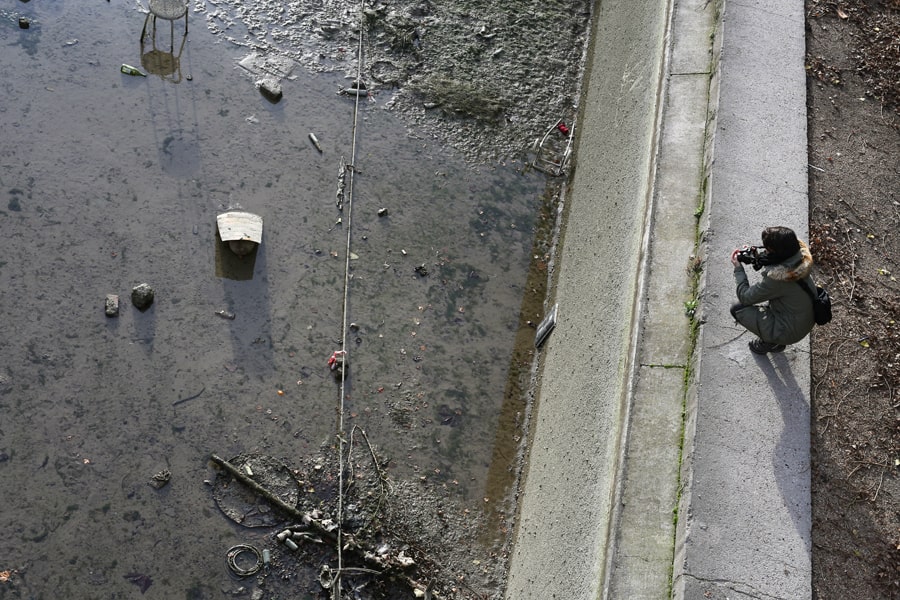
(246, 480)
(852, 280)
(382, 476)
(864, 463)
(182, 400)
(878, 489)
(890, 392)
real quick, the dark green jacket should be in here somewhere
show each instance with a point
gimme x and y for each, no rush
(787, 317)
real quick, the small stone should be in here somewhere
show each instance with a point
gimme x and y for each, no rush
(382, 212)
(112, 305)
(270, 89)
(142, 296)
(161, 479)
(24, 23)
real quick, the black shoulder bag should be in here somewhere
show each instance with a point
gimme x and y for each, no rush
(821, 303)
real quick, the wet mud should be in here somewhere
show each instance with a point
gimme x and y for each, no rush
(108, 181)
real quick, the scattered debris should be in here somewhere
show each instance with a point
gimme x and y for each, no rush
(422, 270)
(551, 153)
(367, 552)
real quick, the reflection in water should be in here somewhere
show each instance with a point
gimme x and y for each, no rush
(231, 265)
(164, 64)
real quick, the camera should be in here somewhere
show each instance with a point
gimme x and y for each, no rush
(754, 256)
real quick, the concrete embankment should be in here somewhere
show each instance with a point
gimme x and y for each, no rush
(665, 458)
(564, 519)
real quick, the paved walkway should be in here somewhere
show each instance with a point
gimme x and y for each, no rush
(672, 124)
(745, 531)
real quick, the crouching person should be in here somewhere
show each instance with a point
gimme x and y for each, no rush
(776, 309)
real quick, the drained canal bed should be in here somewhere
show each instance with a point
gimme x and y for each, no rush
(108, 424)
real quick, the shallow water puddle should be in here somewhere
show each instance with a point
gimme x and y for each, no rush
(110, 181)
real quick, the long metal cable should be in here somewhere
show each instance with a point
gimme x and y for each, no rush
(336, 589)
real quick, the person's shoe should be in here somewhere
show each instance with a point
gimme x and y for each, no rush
(758, 346)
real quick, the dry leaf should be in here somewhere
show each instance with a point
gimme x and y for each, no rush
(842, 14)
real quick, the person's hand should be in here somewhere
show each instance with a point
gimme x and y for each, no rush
(734, 261)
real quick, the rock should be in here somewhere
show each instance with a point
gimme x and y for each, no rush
(142, 296)
(270, 89)
(382, 212)
(24, 23)
(161, 479)
(112, 305)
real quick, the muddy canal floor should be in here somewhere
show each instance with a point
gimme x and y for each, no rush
(107, 424)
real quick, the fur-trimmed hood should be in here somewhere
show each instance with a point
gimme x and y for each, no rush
(797, 267)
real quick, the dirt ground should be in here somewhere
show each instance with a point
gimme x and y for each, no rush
(853, 62)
